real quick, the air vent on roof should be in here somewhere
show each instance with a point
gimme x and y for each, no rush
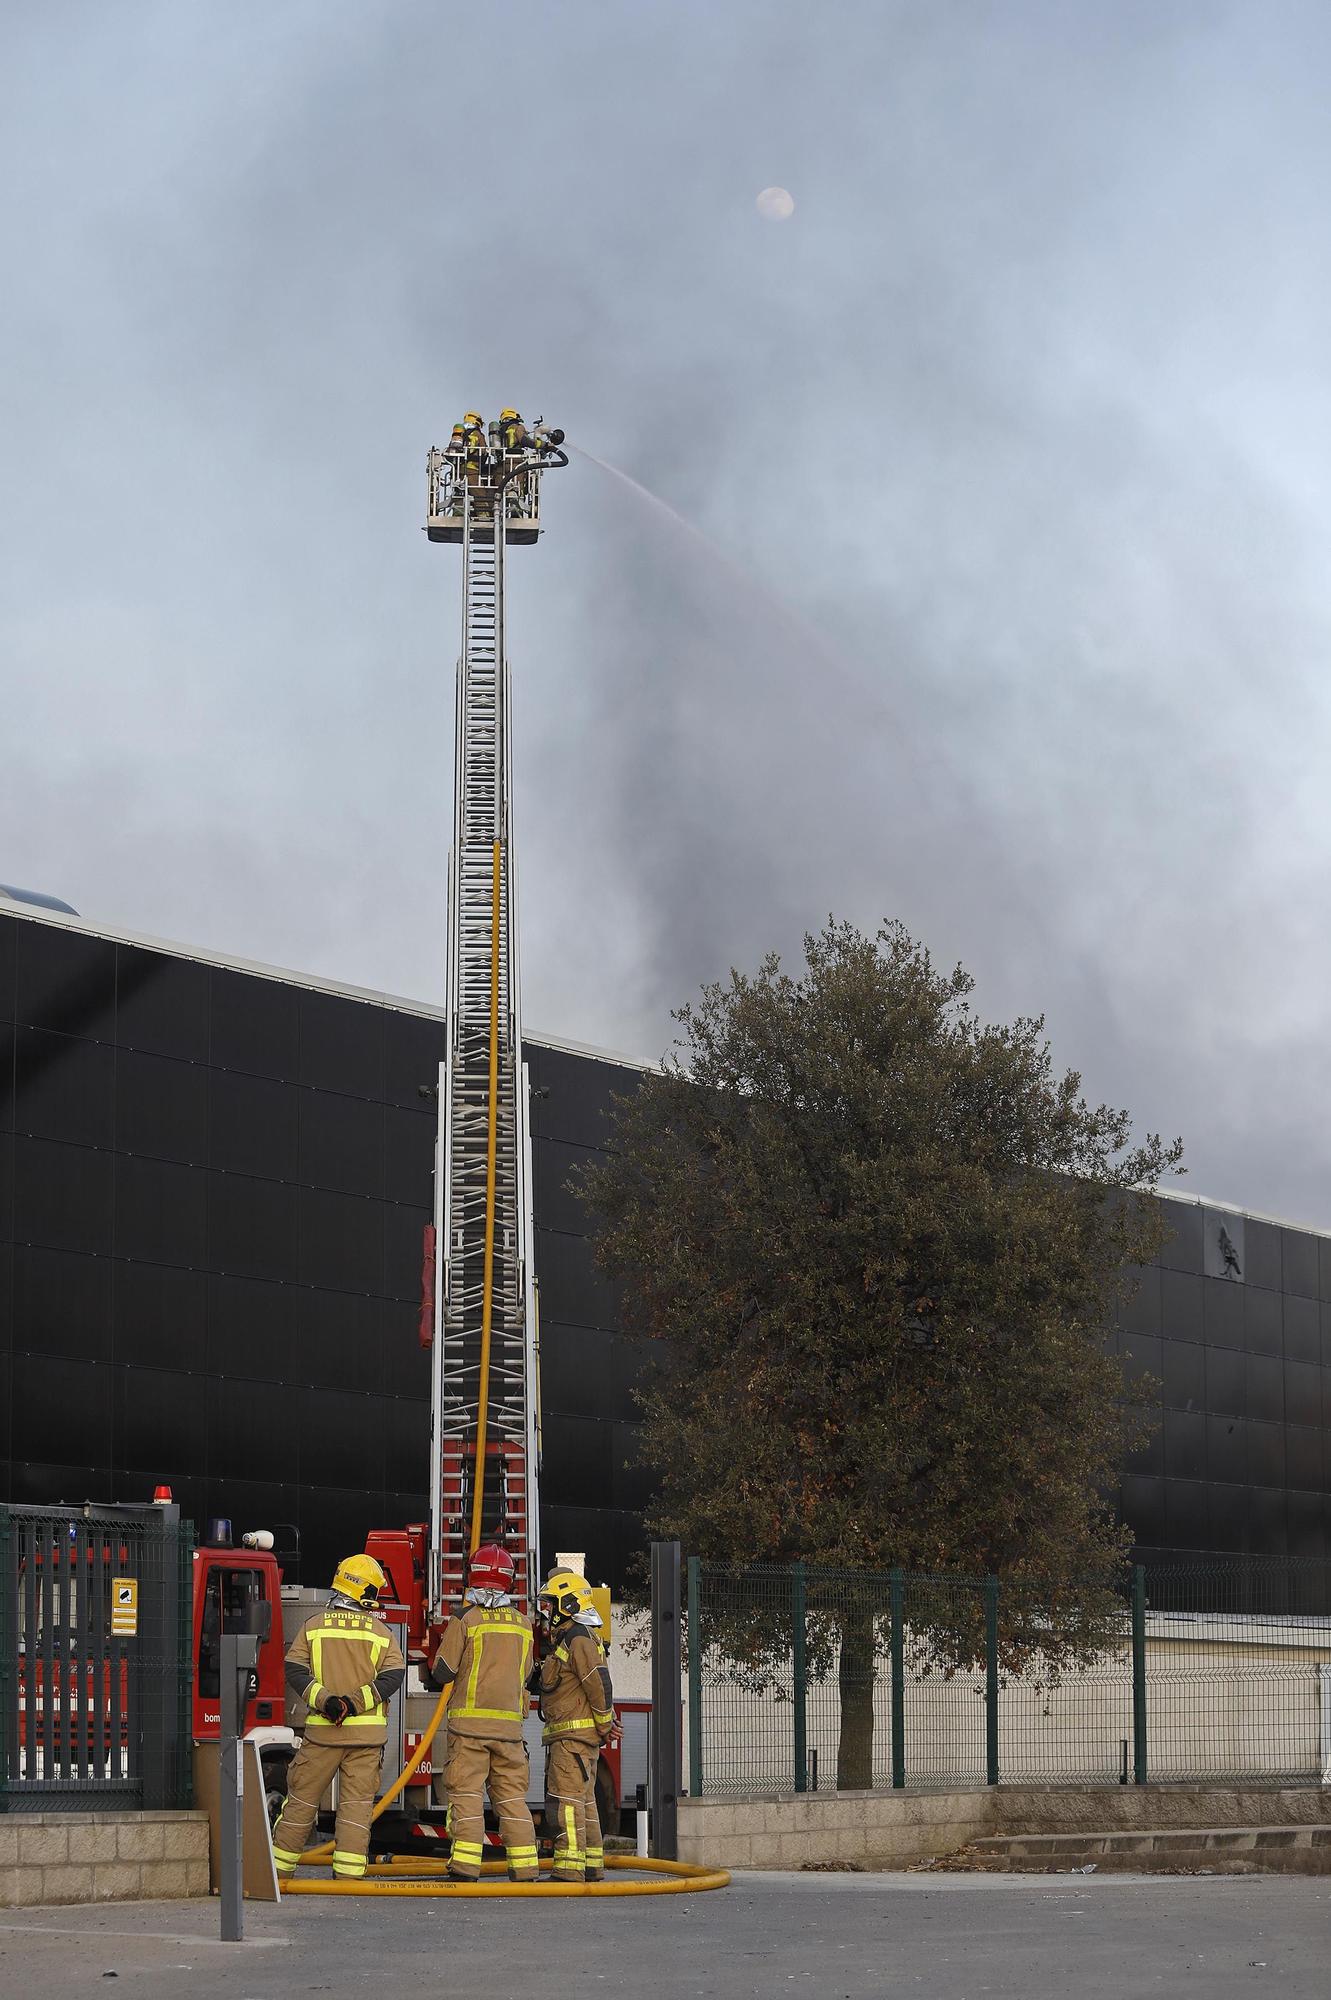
(36, 899)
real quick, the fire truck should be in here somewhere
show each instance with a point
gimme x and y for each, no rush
(479, 1311)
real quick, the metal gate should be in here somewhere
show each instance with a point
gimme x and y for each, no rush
(95, 1658)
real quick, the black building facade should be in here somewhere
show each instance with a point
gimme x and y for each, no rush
(213, 1182)
(1234, 1324)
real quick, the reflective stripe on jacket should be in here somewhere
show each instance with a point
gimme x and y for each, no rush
(576, 1695)
(486, 1654)
(350, 1653)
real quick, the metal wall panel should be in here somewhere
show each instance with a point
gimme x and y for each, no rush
(221, 1184)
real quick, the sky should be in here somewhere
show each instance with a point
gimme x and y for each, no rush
(994, 597)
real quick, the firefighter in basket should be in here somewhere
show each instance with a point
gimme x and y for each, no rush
(476, 462)
(484, 1659)
(344, 1664)
(457, 467)
(578, 1713)
(513, 436)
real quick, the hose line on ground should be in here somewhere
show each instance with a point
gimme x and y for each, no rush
(421, 1878)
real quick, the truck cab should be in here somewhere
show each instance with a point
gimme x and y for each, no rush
(227, 1583)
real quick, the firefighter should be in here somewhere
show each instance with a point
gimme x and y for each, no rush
(578, 1711)
(484, 1659)
(474, 460)
(513, 438)
(344, 1664)
(512, 431)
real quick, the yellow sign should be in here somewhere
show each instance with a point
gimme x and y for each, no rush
(124, 1606)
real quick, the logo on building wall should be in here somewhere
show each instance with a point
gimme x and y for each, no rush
(1223, 1236)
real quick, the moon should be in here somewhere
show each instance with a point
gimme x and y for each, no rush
(775, 205)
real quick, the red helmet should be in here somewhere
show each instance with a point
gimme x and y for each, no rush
(490, 1568)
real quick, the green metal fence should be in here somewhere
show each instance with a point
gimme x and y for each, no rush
(1187, 1668)
(96, 1669)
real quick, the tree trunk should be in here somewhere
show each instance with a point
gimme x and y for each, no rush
(854, 1764)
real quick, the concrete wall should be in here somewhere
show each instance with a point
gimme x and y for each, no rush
(101, 1857)
(893, 1830)
(873, 1829)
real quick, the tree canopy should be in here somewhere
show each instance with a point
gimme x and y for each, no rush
(881, 1243)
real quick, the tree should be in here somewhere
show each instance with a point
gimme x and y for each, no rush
(881, 1243)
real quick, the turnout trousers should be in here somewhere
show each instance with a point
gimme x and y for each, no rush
(570, 1807)
(311, 1772)
(477, 1764)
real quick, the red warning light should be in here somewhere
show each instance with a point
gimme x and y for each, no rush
(161, 1496)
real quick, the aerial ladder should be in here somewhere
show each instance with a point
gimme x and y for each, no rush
(480, 1314)
(479, 1302)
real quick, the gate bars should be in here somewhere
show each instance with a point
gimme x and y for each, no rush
(95, 1658)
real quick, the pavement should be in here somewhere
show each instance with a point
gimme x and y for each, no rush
(837, 1937)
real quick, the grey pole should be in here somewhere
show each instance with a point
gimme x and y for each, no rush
(240, 1656)
(667, 1701)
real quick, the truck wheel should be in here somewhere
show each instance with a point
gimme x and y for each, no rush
(275, 1765)
(607, 1804)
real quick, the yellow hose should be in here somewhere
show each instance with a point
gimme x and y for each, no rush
(491, 1151)
(676, 1878)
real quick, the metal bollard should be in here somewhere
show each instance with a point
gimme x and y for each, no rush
(240, 1656)
(643, 1849)
(240, 1659)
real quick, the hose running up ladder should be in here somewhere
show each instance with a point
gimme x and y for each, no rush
(409, 1769)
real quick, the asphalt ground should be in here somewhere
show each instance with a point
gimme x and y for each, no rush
(846, 1937)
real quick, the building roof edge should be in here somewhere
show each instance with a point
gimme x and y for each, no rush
(287, 976)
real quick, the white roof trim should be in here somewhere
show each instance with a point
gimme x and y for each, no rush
(112, 934)
(1248, 1214)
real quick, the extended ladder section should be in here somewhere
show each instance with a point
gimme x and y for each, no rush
(484, 1440)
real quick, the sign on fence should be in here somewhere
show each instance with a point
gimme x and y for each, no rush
(125, 1605)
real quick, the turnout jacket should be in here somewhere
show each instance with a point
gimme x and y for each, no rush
(576, 1697)
(350, 1652)
(485, 1657)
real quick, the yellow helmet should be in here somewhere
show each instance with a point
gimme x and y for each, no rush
(472, 417)
(361, 1579)
(567, 1593)
(509, 417)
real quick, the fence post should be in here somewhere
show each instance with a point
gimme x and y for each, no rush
(991, 1679)
(695, 1678)
(666, 1704)
(155, 1539)
(799, 1659)
(185, 1656)
(897, 1599)
(1138, 1675)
